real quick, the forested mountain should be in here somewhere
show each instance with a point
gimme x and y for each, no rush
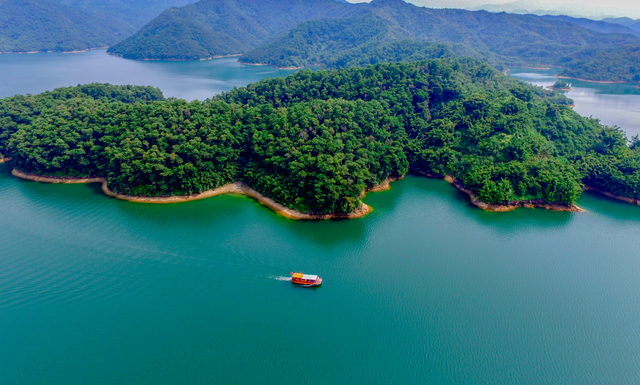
(503, 39)
(627, 22)
(596, 25)
(68, 25)
(128, 15)
(314, 141)
(222, 27)
(40, 25)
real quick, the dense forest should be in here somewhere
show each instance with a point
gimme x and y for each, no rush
(287, 33)
(315, 140)
(69, 25)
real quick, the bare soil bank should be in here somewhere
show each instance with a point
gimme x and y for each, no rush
(231, 188)
(504, 207)
(633, 201)
(4, 160)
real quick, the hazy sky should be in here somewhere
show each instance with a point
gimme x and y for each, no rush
(614, 5)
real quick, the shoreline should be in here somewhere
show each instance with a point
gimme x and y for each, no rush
(231, 188)
(269, 65)
(4, 160)
(633, 201)
(201, 59)
(501, 208)
(511, 205)
(594, 81)
(51, 51)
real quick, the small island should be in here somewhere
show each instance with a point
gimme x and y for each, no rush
(312, 144)
(560, 85)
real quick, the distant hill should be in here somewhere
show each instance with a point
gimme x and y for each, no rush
(222, 27)
(394, 30)
(597, 25)
(627, 22)
(42, 25)
(68, 25)
(127, 15)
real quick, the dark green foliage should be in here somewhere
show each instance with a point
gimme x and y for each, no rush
(320, 156)
(315, 141)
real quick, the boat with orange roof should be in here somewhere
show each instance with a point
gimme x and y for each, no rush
(305, 279)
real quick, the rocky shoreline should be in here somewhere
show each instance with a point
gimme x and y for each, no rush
(503, 207)
(231, 188)
(244, 189)
(511, 205)
(633, 201)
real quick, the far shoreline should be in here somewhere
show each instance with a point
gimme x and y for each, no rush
(595, 81)
(52, 51)
(4, 160)
(176, 60)
(269, 65)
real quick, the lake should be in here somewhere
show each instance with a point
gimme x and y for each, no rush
(427, 289)
(614, 104)
(39, 72)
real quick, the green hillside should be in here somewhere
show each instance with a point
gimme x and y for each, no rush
(314, 141)
(41, 25)
(69, 25)
(502, 39)
(221, 27)
(128, 15)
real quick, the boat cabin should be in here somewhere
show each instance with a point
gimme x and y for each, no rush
(305, 279)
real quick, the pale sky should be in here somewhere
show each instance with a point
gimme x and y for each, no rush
(613, 7)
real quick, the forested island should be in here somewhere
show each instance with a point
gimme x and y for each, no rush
(560, 85)
(317, 140)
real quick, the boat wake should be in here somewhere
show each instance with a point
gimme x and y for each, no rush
(280, 278)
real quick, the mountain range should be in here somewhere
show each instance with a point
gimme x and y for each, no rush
(223, 27)
(69, 25)
(325, 33)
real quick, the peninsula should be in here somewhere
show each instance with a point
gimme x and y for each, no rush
(315, 142)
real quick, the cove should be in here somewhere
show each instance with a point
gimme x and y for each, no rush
(35, 73)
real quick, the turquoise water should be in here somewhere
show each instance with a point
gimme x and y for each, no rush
(427, 289)
(613, 104)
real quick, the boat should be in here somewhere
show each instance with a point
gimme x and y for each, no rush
(305, 279)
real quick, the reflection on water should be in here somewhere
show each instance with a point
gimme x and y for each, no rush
(613, 104)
